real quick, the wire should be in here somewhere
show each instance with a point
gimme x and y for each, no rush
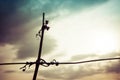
(17, 63)
(56, 63)
(95, 60)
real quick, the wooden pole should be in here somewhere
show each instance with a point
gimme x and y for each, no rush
(40, 50)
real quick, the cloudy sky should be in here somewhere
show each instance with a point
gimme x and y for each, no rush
(79, 30)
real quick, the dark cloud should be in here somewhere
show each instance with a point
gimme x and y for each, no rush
(17, 13)
(8, 7)
(10, 71)
(114, 68)
(29, 48)
(10, 20)
(35, 8)
(2, 76)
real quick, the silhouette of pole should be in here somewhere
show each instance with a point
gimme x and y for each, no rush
(40, 49)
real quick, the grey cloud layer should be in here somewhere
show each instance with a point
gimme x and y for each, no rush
(70, 73)
(29, 48)
(15, 14)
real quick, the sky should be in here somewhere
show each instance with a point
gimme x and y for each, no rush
(79, 30)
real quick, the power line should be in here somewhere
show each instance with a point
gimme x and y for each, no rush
(42, 62)
(87, 61)
(17, 63)
(54, 62)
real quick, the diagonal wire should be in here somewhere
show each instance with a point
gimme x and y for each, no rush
(87, 61)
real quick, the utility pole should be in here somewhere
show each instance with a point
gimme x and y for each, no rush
(41, 34)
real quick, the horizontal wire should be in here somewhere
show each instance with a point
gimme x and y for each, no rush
(55, 62)
(17, 63)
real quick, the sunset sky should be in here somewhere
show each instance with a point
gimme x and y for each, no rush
(79, 30)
